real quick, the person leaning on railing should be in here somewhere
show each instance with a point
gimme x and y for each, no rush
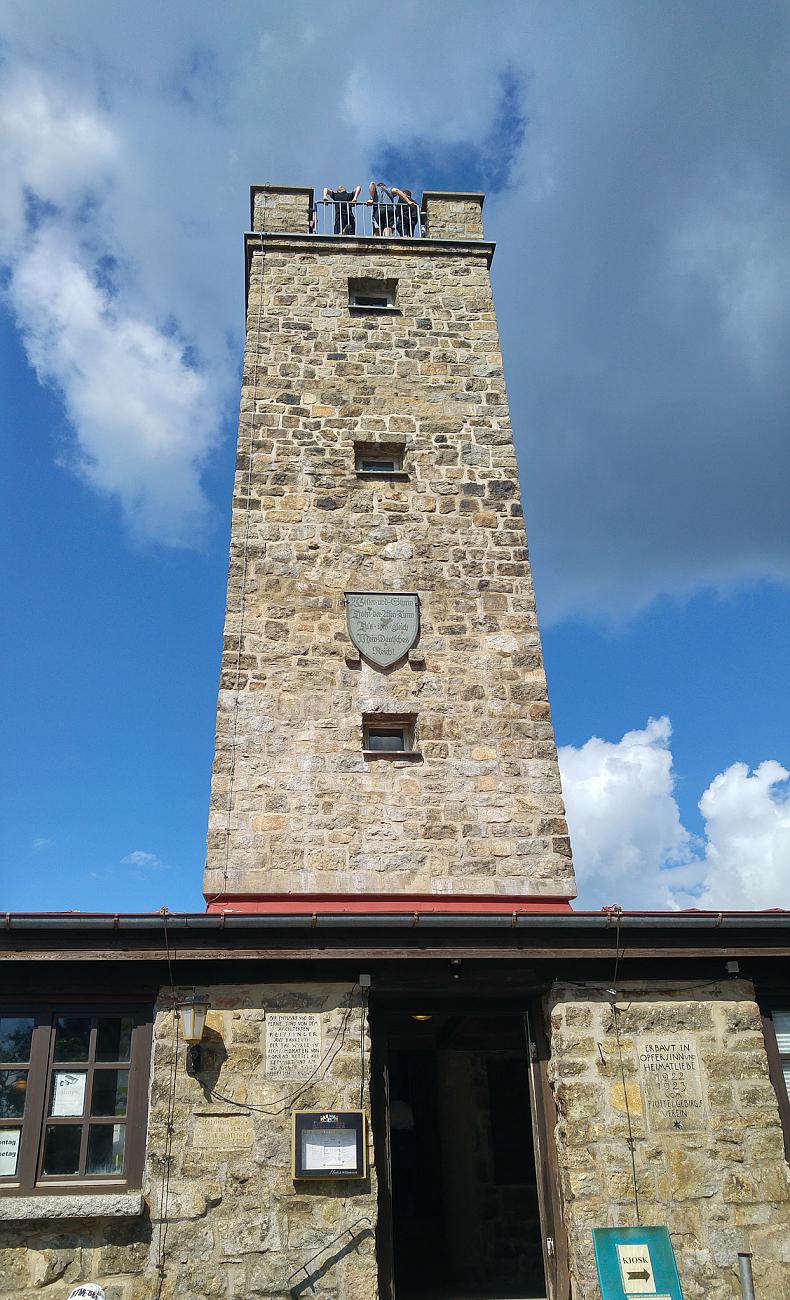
(383, 212)
(398, 216)
(407, 212)
(345, 223)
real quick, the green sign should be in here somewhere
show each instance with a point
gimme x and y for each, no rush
(636, 1262)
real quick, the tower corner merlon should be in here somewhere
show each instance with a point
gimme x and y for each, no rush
(281, 208)
(450, 215)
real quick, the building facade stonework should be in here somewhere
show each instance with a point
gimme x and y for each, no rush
(389, 930)
(716, 1174)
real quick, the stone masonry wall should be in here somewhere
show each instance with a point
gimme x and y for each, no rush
(295, 806)
(281, 208)
(707, 1138)
(453, 216)
(237, 1225)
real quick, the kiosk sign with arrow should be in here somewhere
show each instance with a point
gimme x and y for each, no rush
(635, 1262)
(636, 1269)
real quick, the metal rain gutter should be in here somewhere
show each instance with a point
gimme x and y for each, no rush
(180, 921)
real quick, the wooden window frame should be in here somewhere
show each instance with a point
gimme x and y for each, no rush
(775, 1071)
(29, 1179)
(405, 722)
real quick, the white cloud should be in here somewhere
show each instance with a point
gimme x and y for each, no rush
(144, 420)
(41, 842)
(52, 146)
(630, 846)
(139, 858)
(623, 818)
(747, 827)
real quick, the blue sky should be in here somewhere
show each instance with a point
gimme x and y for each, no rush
(632, 162)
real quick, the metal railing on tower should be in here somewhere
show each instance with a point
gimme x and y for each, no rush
(395, 220)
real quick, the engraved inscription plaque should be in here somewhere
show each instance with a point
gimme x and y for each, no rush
(382, 625)
(293, 1044)
(223, 1132)
(674, 1093)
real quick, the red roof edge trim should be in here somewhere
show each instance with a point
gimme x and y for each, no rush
(336, 904)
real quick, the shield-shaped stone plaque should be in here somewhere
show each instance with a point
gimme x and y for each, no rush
(382, 625)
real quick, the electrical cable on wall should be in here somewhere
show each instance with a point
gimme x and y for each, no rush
(618, 911)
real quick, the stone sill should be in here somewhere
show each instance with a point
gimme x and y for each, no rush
(413, 754)
(399, 474)
(357, 309)
(87, 1205)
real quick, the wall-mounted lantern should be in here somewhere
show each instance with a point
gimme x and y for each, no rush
(193, 1011)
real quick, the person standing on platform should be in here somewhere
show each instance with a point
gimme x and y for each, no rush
(345, 222)
(383, 209)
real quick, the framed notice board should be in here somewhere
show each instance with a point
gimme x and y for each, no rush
(329, 1144)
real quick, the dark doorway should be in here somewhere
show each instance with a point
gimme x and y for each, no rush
(462, 1177)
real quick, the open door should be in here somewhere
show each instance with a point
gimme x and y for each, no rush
(544, 1118)
(468, 1192)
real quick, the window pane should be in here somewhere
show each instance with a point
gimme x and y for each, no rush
(67, 1096)
(379, 466)
(786, 1073)
(109, 1092)
(105, 1148)
(114, 1038)
(386, 740)
(15, 1035)
(72, 1038)
(13, 1085)
(62, 1149)
(10, 1139)
(781, 1021)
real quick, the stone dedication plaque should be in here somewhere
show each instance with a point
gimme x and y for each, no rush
(293, 1044)
(674, 1094)
(382, 625)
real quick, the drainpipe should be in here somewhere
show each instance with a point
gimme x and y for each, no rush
(745, 1274)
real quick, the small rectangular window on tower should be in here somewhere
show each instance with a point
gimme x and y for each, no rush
(379, 460)
(367, 295)
(386, 736)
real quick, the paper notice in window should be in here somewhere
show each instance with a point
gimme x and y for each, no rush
(9, 1151)
(68, 1092)
(324, 1150)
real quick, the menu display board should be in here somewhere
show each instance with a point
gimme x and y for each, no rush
(329, 1144)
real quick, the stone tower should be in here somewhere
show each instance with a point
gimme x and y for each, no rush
(375, 455)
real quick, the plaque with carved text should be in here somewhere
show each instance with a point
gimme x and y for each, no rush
(293, 1044)
(672, 1082)
(383, 625)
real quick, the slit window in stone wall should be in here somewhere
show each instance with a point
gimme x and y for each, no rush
(369, 295)
(378, 459)
(386, 736)
(73, 1089)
